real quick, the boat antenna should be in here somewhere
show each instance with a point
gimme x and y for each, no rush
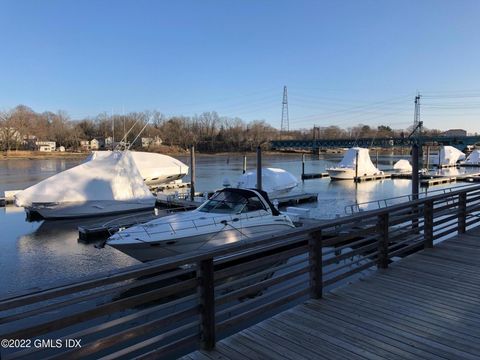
(140, 133)
(124, 138)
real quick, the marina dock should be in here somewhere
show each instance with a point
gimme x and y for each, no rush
(308, 292)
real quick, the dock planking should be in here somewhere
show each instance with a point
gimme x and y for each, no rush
(424, 306)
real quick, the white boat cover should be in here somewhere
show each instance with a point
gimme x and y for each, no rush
(112, 177)
(274, 180)
(402, 166)
(152, 165)
(365, 165)
(473, 158)
(449, 155)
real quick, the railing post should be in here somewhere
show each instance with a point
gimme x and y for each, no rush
(206, 293)
(462, 212)
(315, 262)
(428, 223)
(382, 226)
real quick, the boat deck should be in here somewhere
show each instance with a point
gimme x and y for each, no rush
(422, 307)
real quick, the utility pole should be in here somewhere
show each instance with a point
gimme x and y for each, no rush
(284, 127)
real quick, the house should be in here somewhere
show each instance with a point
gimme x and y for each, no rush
(46, 146)
(455, 132)
(85, 145)
(95, 144)
(148, 141)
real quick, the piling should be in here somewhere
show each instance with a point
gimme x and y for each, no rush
(303, 167)
(428, 157)
(192, 172)
(414, 171)
(259, 168)
(244, 164)
(356, 165)
(376, 159)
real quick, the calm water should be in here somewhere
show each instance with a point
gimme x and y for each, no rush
(37, 254)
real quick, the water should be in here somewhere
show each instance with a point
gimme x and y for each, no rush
(47, 253)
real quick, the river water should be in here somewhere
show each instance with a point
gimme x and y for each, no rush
(47, 253)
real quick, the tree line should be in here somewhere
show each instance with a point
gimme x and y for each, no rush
(21, 126)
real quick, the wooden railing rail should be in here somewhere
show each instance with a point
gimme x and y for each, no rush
(161, 308)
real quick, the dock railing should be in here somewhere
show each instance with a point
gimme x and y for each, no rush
(168, 307)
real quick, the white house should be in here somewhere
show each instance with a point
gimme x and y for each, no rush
(148, 141)
(94, 144)
(46, 146)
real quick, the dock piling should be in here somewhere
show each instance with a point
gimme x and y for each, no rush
(192, 172)
(244, 164)
(259, 168)
(303, 167)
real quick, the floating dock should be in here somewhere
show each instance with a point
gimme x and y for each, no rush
(438, 181)
(314, 176)
(372, 177)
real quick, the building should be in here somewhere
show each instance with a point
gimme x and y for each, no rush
(85, 145)
(95, 144)
(455, 132)
(46, 146)
(148, 141)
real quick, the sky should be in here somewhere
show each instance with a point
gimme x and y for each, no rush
(344, 62)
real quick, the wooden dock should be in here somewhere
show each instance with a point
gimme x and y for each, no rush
(372, 177)
(315, 176)
(438, 181)
(423, 307)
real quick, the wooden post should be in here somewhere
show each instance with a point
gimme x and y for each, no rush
(259, 168)
(382, 229)
(415, 172)
(244, 164)
(428, 217)
(428, 157)
(192, 172)
(315, 262)
(206, 294)
(303, 166)
(376, 159)
(356, 166)
(462, 213)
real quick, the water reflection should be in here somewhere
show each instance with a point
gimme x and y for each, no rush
(48, 253)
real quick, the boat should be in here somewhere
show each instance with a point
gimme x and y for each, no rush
(275, 182)
(156, 169)
(402, 166)
(105, 185)
(348, 168)
(447, 156)
(473, 158)
(230, 215)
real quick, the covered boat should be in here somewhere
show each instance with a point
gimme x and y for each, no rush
(447, 156)
(402, 166)
(473, 158)
(275, 182)
(347, 168)
(154, 168)
(105, 185)
(230, 215)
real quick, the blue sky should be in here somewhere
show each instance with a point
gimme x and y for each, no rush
(345, 62)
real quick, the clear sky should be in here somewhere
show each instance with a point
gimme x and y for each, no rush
(344, 61)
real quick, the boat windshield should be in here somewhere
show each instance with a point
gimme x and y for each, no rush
(225, 202)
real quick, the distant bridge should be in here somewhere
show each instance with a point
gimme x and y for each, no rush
(459, 142)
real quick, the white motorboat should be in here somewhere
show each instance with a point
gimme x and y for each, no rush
(106, 185)
(275, 182)
(155, 168)
(230, 215)
(348, 167)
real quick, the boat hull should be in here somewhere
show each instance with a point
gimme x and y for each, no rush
(341, 174)
(87, 209)
(147, 251)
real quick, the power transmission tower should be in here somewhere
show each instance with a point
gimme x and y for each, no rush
(284, 125)
(417, 124)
